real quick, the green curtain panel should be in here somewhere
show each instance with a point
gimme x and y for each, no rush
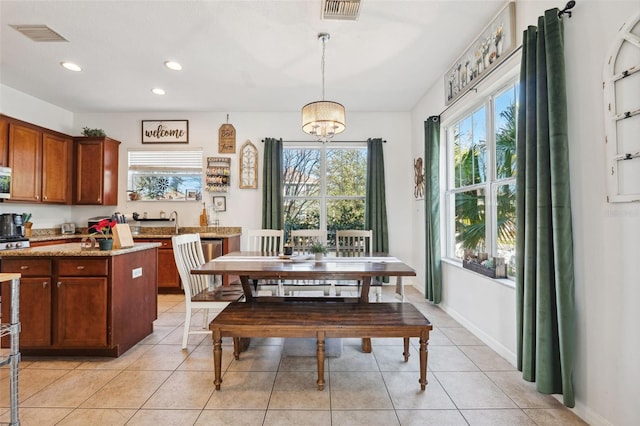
(432, 271)
(545, 306)
(272, 201)
(375, 211)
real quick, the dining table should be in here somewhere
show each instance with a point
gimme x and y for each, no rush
(249, 266)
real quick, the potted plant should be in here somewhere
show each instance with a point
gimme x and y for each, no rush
(318, 249)
(93, 132)
(104, 228)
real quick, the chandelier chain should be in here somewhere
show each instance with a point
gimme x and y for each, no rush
(324, 46)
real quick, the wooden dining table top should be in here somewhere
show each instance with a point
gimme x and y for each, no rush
(258, 265)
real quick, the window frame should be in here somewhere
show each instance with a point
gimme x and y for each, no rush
(323, 199)
(485, 96)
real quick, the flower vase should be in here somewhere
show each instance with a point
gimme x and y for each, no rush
(319, 257)
(105, 244)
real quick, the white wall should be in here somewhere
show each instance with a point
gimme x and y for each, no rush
(606, 236)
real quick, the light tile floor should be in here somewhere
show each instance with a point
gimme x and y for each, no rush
(157, 383)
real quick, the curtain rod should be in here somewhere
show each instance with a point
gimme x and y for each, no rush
(567, 10)
(383, 141)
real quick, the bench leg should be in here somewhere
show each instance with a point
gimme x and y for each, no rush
(366, 345)
(217, 358)
(424, 338)
(320, 357)
(406, 349)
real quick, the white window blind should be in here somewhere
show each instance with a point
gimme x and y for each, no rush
(165, 160)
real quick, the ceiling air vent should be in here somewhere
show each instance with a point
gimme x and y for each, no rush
(346, 10)
(39, 32)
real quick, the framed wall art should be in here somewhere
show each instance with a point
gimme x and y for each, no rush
(191, 195)
(248, 166)
(492, 46)
(165, 131)
(220, 203)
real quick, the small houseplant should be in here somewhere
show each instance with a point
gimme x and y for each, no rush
(104, 228)
(93, 132)
(318, 249)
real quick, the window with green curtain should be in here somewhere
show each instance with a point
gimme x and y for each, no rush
(324, 186)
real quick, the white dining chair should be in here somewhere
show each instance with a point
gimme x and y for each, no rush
(187, 252)
(302, 240)
(269, 242)
(355, 243)
(266, 240)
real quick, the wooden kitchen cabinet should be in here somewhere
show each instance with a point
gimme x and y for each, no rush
(4, 142)
(40, 162)
(168, 275)
(81, 303)
(35, 300)
(96, 179)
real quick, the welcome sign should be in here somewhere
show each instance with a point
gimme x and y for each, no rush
(166, 131)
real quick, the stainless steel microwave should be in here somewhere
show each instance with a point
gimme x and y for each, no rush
(5, 182)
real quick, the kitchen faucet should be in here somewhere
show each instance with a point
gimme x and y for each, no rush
(174, 213)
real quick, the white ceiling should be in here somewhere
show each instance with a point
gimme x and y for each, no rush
(241, 55)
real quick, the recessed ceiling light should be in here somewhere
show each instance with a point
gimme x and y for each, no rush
(172, 65)
(158, 91)
(70, 66)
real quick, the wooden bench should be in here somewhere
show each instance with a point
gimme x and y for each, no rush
(320, 320)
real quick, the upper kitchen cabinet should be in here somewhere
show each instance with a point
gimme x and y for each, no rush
(40, 162)
(96, 180)
(4, 143)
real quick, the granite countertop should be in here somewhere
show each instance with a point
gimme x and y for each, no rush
(74, 249)
(54, 234)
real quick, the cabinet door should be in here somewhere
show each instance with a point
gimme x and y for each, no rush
(4, 143)
(96, 179)
(35, 312)
(89, 176)
(25, 160)
(168, 276)
(80, 319)
(57, 163)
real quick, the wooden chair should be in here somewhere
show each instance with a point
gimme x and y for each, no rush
(302, 239)
(355, 243)
(187, 252)
(269, 242)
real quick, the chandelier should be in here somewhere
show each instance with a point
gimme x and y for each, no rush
(323, 119)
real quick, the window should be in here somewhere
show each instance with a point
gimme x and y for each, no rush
(481, 181)
(165, 175)
(324, 187)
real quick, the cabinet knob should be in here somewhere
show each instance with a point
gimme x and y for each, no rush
(59, 284)
(80, 267)
(45, 197)
(24, 267)
(44, 284)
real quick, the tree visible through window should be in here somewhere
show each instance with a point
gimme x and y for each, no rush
(324, 187)
(481, 188)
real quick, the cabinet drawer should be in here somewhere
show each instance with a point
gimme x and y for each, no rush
(166, 242)
(27, 267)
(82, 267)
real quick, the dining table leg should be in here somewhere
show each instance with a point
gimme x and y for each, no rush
(320, 358)
(246, 288)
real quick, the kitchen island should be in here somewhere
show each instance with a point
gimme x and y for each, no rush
(83, 302)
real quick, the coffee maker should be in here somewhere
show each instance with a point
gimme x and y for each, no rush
(12, 231)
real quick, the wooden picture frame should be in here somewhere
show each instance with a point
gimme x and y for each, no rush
(165, 131)
(191, 195)
(248, 178)
(220, 203)
(491, 47)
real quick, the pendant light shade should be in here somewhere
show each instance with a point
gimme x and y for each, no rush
(323, 119)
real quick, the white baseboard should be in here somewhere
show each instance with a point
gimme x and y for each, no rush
(502, 350)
